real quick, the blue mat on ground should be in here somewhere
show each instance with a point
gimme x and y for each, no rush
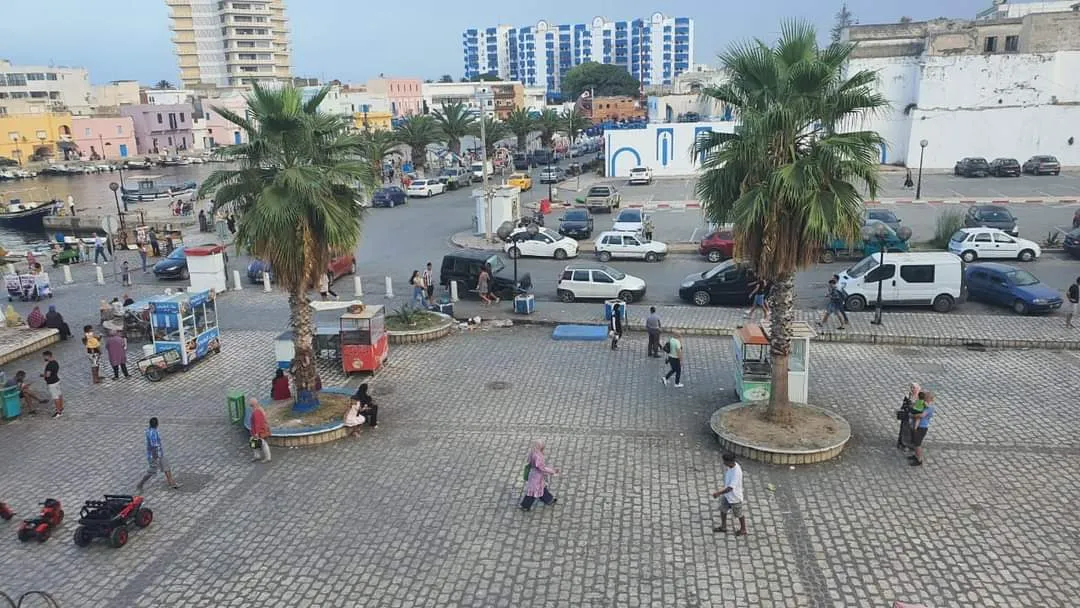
(588, 333)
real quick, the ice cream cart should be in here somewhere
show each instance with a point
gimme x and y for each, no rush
(364, 343)
(753, 368)
(184, 329)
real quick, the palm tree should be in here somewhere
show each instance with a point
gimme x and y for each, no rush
(376, 147)
(163, 85)
(787, 178)
(573, 123)
(495, 130)
(295, 193)
(521, 124)
(418, 132)
(455, 121)
(548, 123)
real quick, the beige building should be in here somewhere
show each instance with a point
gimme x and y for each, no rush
(37, 89)
(116, 93)
(230, 42)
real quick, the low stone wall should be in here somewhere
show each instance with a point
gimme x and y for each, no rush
(423, 335)
(770, 455)
(292, 437)
(21, 341)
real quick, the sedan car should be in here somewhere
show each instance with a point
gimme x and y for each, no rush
(426, 187)
(884, 216)
(640, 175)
(991, 216)
(337, 267)
(1008, 286)
(543, 244)
(576, 224)
(520, 180)
(630, 220)
(552, 175)
(1071, 243)
(175, 266)
(1042, 165)
(975, 166)
(718, 246)
(728, 283)
(592, 281)
(975, 243)
(1005, 167)
(391, 196)
(627, 245)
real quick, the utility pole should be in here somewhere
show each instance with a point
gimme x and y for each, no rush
(481, 95)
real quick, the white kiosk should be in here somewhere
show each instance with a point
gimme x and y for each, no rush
(206, 267)
(505, 207)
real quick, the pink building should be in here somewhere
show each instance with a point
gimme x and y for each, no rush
(216, 130)
(405, 95)
(162, 129)
(109, 137)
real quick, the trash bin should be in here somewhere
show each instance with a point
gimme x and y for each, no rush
(236, 404)
(609, 305)
(524, 304)
(12, 407)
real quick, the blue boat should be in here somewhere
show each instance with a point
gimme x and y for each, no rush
(147, 189)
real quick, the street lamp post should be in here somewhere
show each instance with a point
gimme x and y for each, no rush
(879, 232)
(530, 231)
(114, 187)
(481, 96)
(922, 151)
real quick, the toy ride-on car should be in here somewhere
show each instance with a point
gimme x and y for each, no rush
(110, 519)
(41, 526)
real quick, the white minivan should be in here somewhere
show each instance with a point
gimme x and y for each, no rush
(928, 278)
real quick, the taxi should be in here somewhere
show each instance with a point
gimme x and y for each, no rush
(520, 180)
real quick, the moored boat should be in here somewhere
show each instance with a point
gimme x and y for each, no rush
(138, 164)
(25, 212)
(147, 189)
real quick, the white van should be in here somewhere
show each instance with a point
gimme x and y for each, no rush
(912, 279)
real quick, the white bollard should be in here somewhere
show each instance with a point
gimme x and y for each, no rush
(266, 282)
(359, 287)
(389, 288)
(10, 268)
(453, 291)
(100, 275)
(67, 275)
(236, 280)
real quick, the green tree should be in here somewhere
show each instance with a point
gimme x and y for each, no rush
(295, 193)
(599, 78)
(495, 131)
(376, 147)
(787, 177)
(418, 132)
(455, 121)
(446, 78)
(521, 124)
(163, 85)
(844, 18)
(573, 123)
(548, 123)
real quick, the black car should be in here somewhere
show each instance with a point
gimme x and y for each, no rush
(727, 283)
(522, 162)
(974, 166)
(576, 224)
(391, 196)
(1071, 244)
(542, 157)
(175, 266)
(991, 216)
(1042, 165)
(1005, 167)
(464, 267)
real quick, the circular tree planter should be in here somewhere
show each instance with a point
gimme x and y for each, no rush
(815, 435)
(427, 326)
(322, 425)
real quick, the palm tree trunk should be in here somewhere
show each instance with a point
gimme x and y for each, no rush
(782, 305)
(521, 142)
(304, 370)
(455, 146)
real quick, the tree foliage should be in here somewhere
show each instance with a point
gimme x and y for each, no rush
(573, 123)
(163, 85)
(446, 78)
(521, 124)
(844, 18)
(455, 121)
(495, 130)
(418, 132)
(548, 123)
(601, 79)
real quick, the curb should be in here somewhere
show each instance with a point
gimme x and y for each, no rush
(459, 240)
(974, 201)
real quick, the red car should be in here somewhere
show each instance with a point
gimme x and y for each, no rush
(718, 246)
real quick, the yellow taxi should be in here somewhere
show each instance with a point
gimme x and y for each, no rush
(520, 180)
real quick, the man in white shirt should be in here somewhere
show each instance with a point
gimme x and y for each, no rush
(731, 496)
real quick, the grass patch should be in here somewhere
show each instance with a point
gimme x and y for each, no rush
(332, 406)
(412, 319)
(948, 222)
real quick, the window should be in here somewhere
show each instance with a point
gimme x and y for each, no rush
(170, 141)
(1003, 238)
(35, 76)
(581, 276)
(50, 76)
(86, 132)
(601, 277)
(922, 273)
(119, 129)
(1012, 44)
(982, 238)
(881, 273)
(181, 117)
(990, 44)
(159, 118)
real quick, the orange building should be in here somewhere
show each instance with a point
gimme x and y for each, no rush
(617, 108)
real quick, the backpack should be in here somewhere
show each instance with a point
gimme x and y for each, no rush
(1074, 293)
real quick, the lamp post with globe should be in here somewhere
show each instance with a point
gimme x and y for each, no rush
(880, 232)
(922, 152)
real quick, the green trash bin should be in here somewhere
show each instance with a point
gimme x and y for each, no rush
(12, 403)
(235, 400)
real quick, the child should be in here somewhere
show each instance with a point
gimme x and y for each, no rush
(126, 272)
(93, 352)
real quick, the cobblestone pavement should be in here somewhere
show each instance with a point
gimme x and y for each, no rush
(421, 512)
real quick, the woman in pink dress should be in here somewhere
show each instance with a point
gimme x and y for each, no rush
(536, 483)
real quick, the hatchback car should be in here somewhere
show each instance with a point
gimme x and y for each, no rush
(628, 245)
(640, 175)
(630, 220)
(1005, 167)
(576, 224)
(975, 243)
(1042, 165)
(991, 216)
(729, 283)
(543, 244)
(884, 216)
(337, 267)
(520, 180)
(426, 187)
(391, 196)
(1004, 285)
(1071, 243)
(552, 175)
(583, 281)
(718, 246)
(975, 166)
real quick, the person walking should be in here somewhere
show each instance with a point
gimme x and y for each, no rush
(1073, 296)
(142, 255)
(483, 286)
(835, 304)
(615, 325)
(674, 350)
(920, 423)
(429, 284)
(155, 458)
(99, 248)
(260, 432)
(908, 182)
(155, 246)
(652, 327)
(731, 496)
(417, 282)
(536, 474)
(116, 348)
(71, 204)
(324, 287)
(93, 352)
(757, 299)
(52, 383)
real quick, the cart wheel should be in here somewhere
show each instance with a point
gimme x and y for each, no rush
(25, 534)
(153, 374)
(82, 537)
(59, 517)
(118, 537)
(144, 517)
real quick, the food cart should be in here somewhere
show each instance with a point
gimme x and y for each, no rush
(184, 329)
(364, 343)
(327, 338)
(753, 368)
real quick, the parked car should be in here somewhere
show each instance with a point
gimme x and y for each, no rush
(464, 267)
(552, 175)
(627, 245)
(477, 170)
(728, 283)
(455, 177)
(630, 220)
(975, 166)
(1076, 219)
(928, 278)
(542, 157)
(1005, 285)
(1005, 167)
(390, 196)
(991, 216)
(975, 243)
(592, 281)
(718, 246)
(576, 224)
(1042, 165)
(426, 187)
(603, 198)
(1071, 243)
(520, 180)
(522, 162)
(640, 175)
(174, 265)
(892, 243)
(543, 244)
(338, 267)
(885, 216)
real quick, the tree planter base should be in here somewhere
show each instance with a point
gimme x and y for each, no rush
(816, 434)
(296, 435)
(445, 326)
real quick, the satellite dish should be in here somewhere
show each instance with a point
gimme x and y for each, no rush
(504, 230)
(904, 233)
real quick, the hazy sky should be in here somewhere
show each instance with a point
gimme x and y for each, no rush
(352, 40)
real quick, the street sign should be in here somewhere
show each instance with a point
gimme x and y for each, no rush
(108, 224)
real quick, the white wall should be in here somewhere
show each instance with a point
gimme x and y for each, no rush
(665, 148)
(898, 80)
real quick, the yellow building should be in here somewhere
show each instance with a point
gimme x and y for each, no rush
(376, 121)
(29, 137)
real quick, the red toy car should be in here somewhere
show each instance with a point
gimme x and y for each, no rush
(40, 527)
(110, 519)
(718, 246)
(5, 511)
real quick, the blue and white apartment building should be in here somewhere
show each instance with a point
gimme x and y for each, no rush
(654, 50)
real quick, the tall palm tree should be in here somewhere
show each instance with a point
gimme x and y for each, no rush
(495, 130)
(548, 123)
(455, 121)
(376, 147)
(418, 132)
(163, 85)
(295, 193)
(573, 123)
(787, 178)
(521, 124)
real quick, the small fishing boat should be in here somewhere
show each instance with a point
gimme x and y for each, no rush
(60, 170)
(148, 189)
(138, 164)
(175, 161)
(21, 210)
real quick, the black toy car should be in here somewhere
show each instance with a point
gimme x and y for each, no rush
(110, 519)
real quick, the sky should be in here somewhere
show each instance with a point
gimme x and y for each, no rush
(353, 40)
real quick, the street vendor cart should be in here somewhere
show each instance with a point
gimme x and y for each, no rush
(184, 329)
(327, 338)
(753, 367)
(364, 343)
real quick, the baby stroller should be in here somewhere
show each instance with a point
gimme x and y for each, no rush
(14, 286)
(28, 286)
(43, 289)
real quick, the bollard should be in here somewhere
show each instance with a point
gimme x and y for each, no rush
(389, 288)
(358, 284)
(67, 275)
(10, 268)
(453, 291)
(266, 282)
(100, 275)
(236, 280)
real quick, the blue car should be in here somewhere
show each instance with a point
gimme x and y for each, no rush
(391, 196)
(1006, 285)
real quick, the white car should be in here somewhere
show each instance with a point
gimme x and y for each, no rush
(597, 281)
(630, 220)
(992, 243)
(426, 187)
(544, 244)
(615, 244)
(640, 175)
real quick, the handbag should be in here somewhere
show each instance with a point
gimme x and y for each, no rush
(255, 443)
(526, 471)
